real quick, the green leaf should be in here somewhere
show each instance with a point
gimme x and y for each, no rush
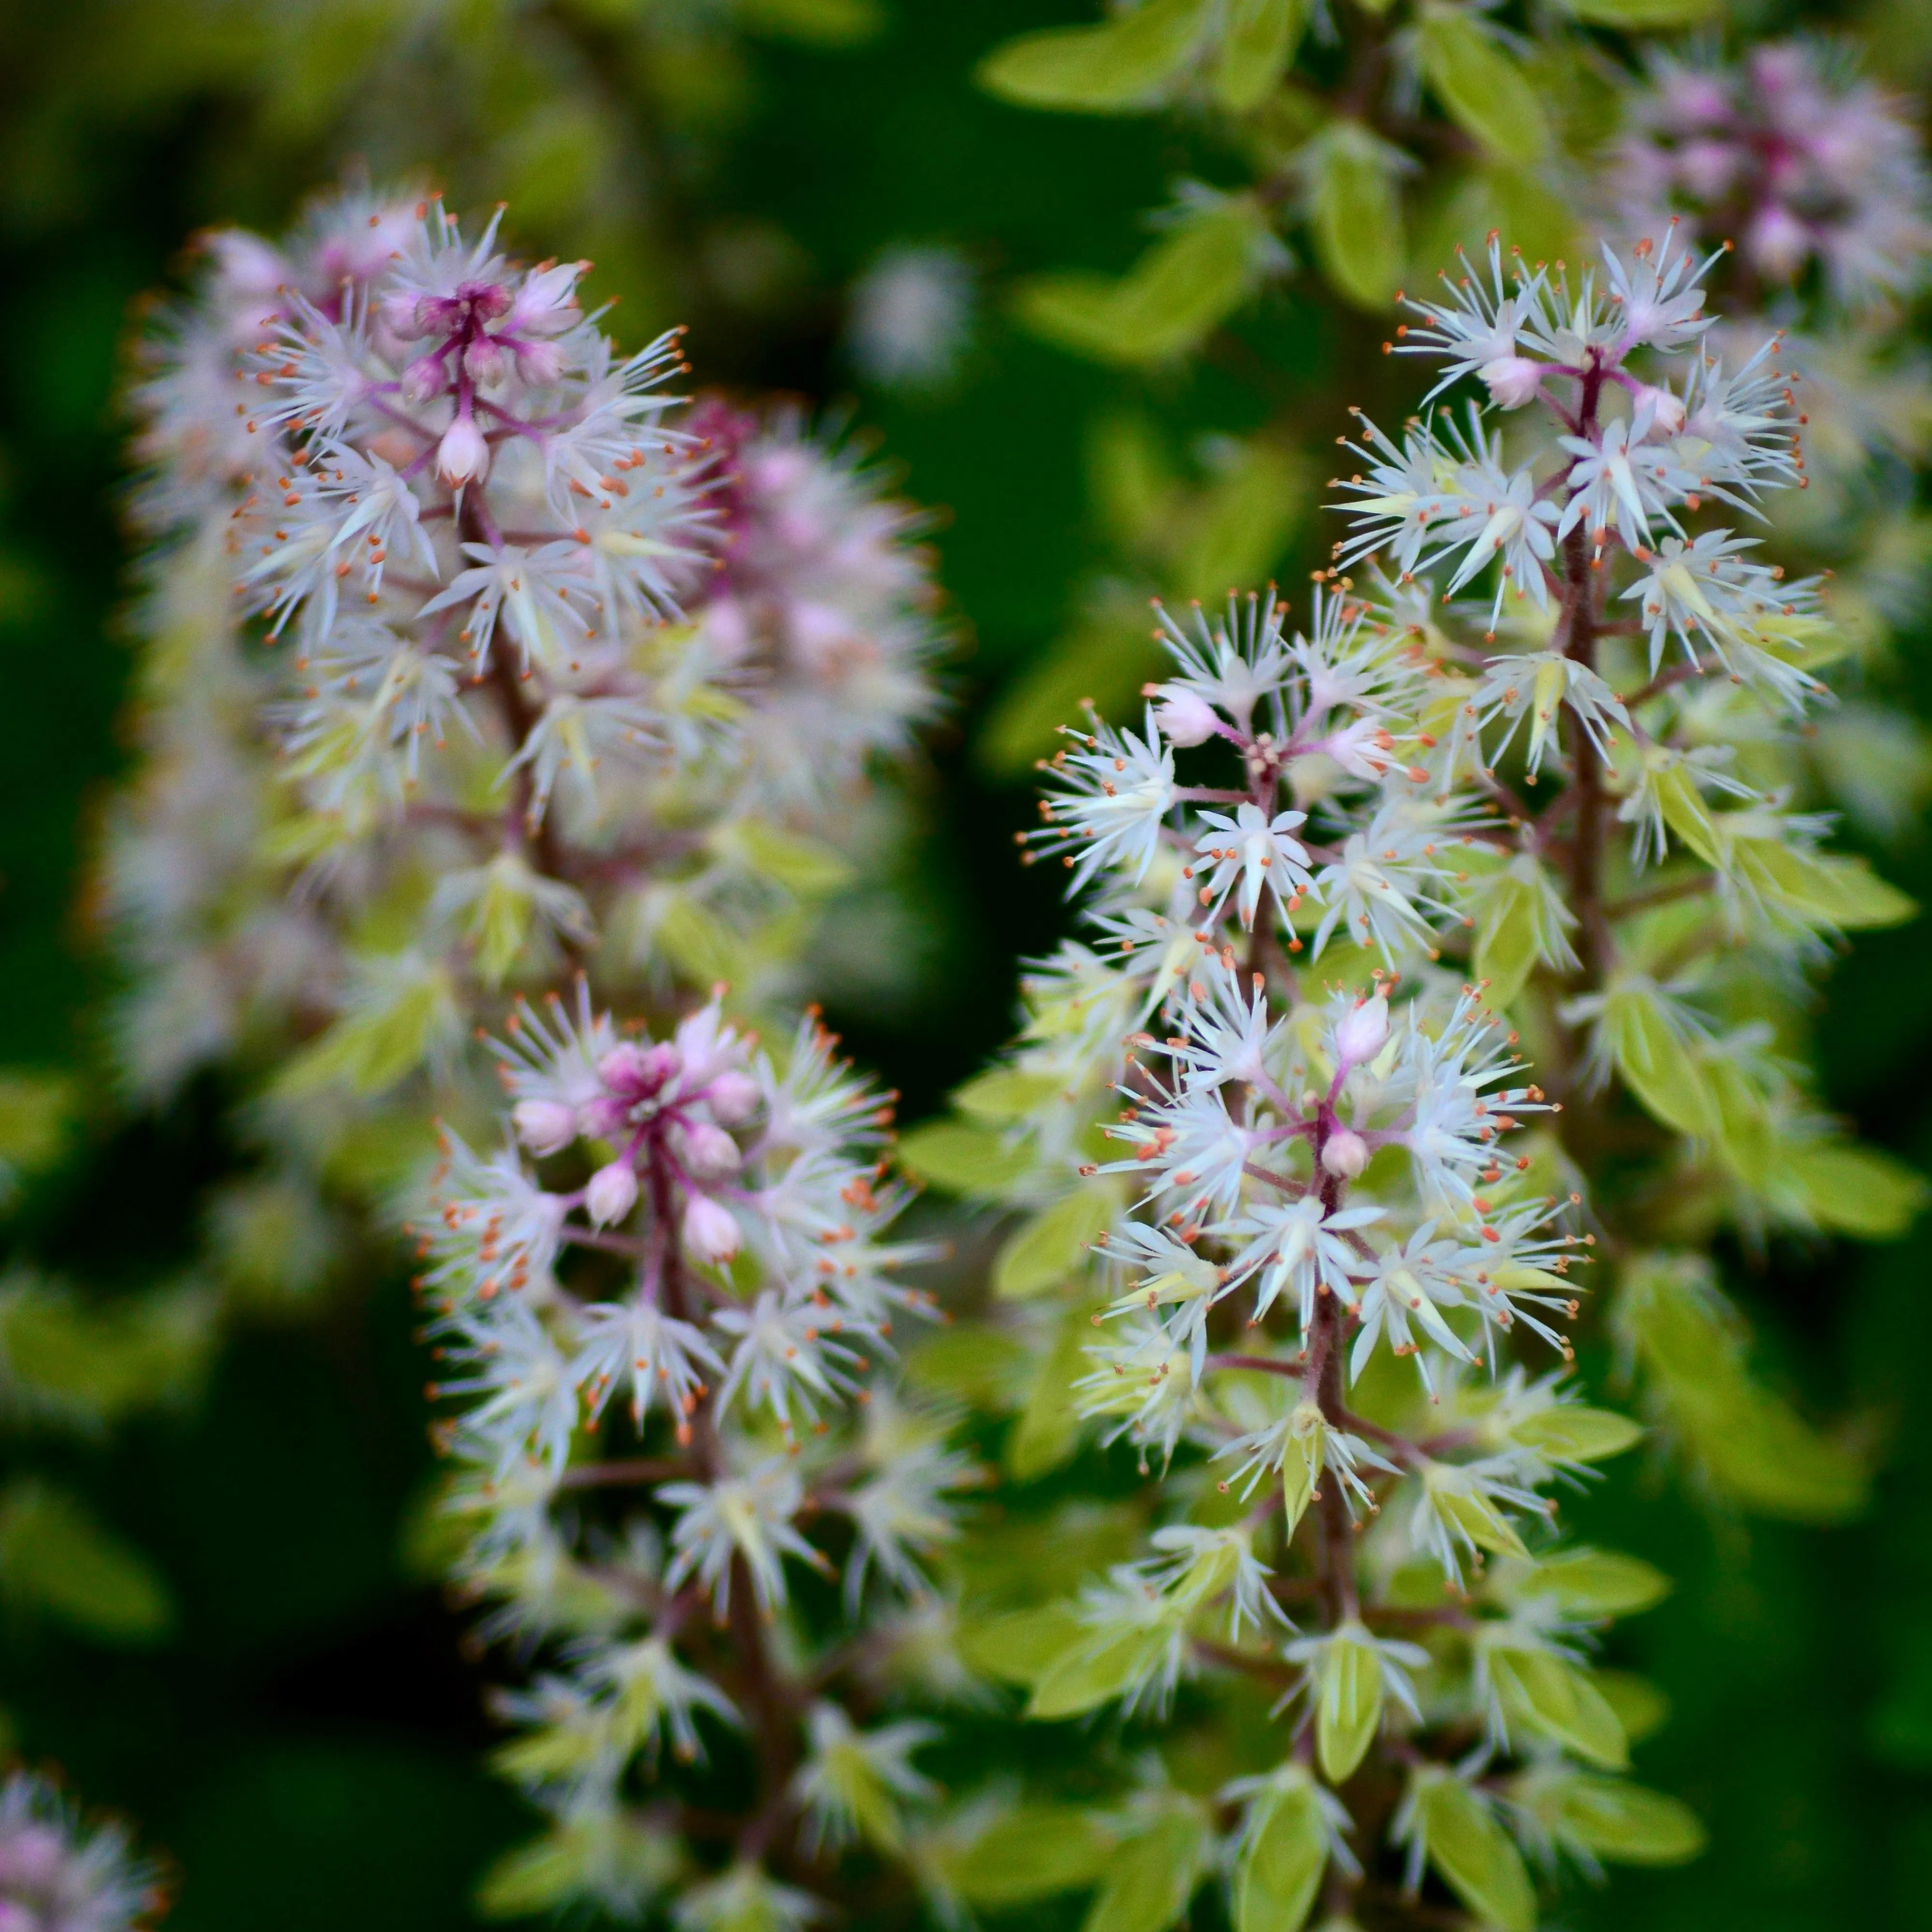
(608, 1853)
(1052, 1245)
(1506, 938)
(407, 1008)
(1642, 1709)
(961, 1159)
(1473, 1854)
(1827, 888)
(1642, 16)
(1020, 1646)
(1118, 67)
(1181, 289)
(807, 866)
(1592, 1583)
(1853, 1190)
(55, 1556)
(1006, 1094)
(1487, 94)
(1357, 214)
(1284, 1853)
(37, 1112)
(1150, 1879)
(1748, 1443)
(1031, 1853)
(1258, 40)
(1107, 656)
(1348, 1705)
(1241, 522)
(67, 1360)
(973, 1364)
(1048, 1430)
(821, 23)
(1567, 1433)
(1557, 1698)
(1624, 1823)
(1097, 1665)
(1656, 1064)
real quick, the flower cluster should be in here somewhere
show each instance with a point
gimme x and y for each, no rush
(1320, 1266)
(1808, 167)
(58, 1876)
(476, 658)
(714, 1267)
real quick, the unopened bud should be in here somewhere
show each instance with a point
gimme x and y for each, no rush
(1513, 380)
(709, 1153)
(733, 1098)
(463, 456)
(1363, 1030)
(545, 1127)
(1185, 719)
(710, 1232)
(1345, 1153)
(611, 1194)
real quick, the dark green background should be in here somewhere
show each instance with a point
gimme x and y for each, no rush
(307, 1746)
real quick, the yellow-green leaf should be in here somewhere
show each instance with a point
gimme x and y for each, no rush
(1182, 287)
(1557, 1698)
(1642, 16)
(1854, 1190)
(1121, 64)
(1284, 1853)
(1568, 1432)
(1486, 93)
(1048, 1430)
(961, 1159)
(1656, 1064)
(1597, 1583)
(57, 1557)
(1624, 1823)
(1044, 1250)
(1358, 215)
(1029, 1853)
(1348, 1705)
(1473, 1854)
(1096, 1666)
(1150, 1879)
(1258, 40)
(1642, 1709)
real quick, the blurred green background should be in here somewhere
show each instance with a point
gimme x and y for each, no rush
(306, 1741)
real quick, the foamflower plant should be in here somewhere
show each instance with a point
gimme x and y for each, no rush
(663, 1421)
(1397, 924)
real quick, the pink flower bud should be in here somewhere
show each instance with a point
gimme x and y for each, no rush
(545, 1127)
(1362, 1031)
(1666, 410)
(611, 1194)
(1513, 380)
(733, 1098)
(1345, 1153)
(486, 361)
(634, 1073)
(422, 379)
(463, 456)
(710, 1233)
(407, 316)
(539, 362)
(1186, 718)
(709, 1153)
(1777, 241)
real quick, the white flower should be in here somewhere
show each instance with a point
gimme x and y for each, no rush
(666, 1360)
(1257, 850)
(748, 1517)
(1116, 792)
